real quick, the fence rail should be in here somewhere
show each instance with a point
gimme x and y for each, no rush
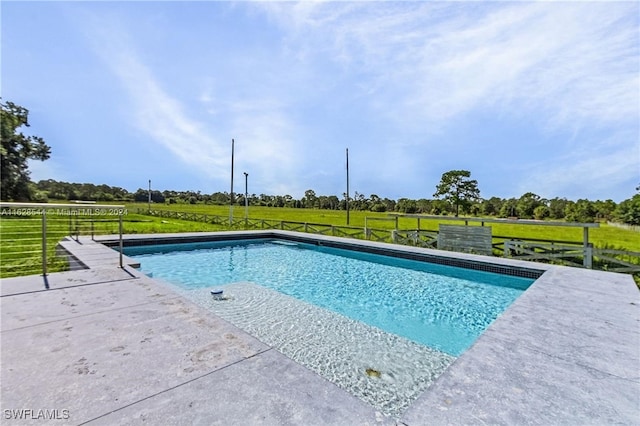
(575, 255)
(30, 233)
(285, 225)
(417, 237)
(635, 228)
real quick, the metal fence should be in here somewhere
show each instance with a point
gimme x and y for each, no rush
(634, 228)
(574, 255)
(30, 233)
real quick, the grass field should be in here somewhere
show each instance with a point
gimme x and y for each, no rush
(604, 236)
(20, 238)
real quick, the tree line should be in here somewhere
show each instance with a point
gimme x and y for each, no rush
(527, 206)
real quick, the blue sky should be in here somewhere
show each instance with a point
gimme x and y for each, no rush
(541, 97)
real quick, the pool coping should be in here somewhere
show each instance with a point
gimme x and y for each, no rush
(567, 351)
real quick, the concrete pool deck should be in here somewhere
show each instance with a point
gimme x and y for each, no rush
(111, 346)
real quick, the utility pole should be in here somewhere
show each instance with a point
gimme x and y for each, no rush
(231, 194)
(246, 199)
(347, 186)
(149, 202)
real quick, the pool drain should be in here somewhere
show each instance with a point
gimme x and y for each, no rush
(372, 373)
(218, 294)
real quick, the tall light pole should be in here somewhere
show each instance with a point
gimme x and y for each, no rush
(149, 202)
(231, 195)
(246, 198)
(347, 186)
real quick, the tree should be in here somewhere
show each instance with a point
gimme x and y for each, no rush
(604, 209)
(508, 208)
(406, 205)
(491, 207)
(458, 189)
(142, 196)
(15, 151)
(580, 211)
(527, 205)
(440, 207)
(557, 208)
(628, 211)
(541, 212)
(309, 199)
(424, 205)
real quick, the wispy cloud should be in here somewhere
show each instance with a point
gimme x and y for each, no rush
(254, 116)
(563, 68)
(162, 117)
(577, 61)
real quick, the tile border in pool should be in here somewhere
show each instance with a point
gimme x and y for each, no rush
(565, 352)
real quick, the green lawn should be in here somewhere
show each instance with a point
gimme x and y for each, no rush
(21, 247)
(21, 238)
(604, 236)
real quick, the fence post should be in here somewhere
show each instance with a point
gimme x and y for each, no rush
(394, 236)
(588, 249)
(588, 257)
(77, 228)
(44, 242)
(120, 230)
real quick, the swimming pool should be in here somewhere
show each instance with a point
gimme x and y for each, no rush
(439, 306)
(383, 328)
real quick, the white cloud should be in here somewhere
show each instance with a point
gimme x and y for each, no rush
(555, 68)
(576, 61)
(156, 113)
(164, 119)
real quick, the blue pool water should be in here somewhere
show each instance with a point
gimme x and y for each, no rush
(442, 307)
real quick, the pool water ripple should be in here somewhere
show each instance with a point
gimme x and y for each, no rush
(338, 348)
